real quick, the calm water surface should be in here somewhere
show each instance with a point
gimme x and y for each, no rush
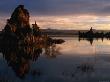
(64, 63)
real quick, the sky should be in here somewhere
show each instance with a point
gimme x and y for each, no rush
(61, 14)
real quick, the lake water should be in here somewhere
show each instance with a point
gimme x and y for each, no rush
(72, 61)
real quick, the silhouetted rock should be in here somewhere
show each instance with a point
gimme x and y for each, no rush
(19, 21)
(36, 30)
(20, 17)
(17, 27)
(19, 43)
(90, 35)
(19, 32)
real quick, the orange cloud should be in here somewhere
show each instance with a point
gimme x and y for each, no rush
(68, 22)
(73, 22)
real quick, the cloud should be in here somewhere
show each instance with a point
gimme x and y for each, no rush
(66, 14)
(73, 22)
(68, 22)
(59, 7)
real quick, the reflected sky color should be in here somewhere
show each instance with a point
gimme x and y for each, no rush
(73, 47)
(61, 68)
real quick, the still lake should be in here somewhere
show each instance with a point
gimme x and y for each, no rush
(64, 64)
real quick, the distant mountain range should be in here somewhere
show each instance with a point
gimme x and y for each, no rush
(56, 32)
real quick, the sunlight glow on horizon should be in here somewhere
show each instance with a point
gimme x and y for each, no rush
(81, 22)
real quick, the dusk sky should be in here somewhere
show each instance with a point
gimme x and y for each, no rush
(61, 14)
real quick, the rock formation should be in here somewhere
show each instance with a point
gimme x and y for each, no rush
(19, 21)
(18, 31)
(36, 30)
(17, 27)
(20, 43)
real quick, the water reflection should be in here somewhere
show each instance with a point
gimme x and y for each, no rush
(88, 39)
(78, 61)
(51, 51)
(19, 57)
(92, 39)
